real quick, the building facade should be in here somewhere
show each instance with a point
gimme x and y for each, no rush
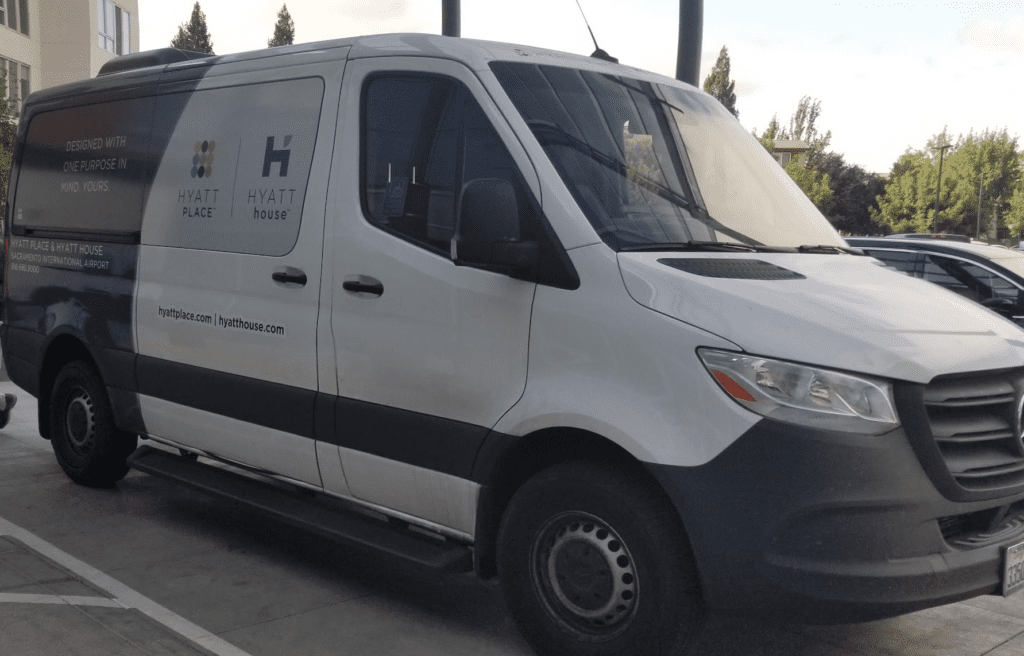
(786, 150)
(44, 43)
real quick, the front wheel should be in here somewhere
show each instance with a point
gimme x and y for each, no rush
(89, 447)
(594, 563)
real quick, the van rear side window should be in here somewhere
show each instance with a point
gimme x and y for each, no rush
(84, 170)
(233, 174)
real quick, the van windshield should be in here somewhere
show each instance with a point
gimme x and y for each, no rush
(656, 164)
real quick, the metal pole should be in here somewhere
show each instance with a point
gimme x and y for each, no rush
(691, 34)
(450, 18)
(935, 218)
(981, 185)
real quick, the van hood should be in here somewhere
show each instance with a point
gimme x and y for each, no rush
(840, 311)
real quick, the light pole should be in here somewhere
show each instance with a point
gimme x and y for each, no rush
(691, 34)
(981, 185)
(942, 151)
(451, 18)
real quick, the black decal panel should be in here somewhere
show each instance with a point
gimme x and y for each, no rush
(83, 169)
(83, 166)
(72, 286)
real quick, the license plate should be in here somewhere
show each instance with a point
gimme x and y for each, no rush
(1013, 570)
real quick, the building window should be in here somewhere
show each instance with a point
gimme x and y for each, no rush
(114, 28)
(14, 14)
(16, 76)
(25, 90)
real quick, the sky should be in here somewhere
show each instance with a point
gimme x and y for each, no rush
(889, 75)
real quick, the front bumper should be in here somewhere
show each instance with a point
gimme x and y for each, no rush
(812, 526)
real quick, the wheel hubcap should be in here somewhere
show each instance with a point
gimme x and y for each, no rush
(79, 421)
(587, 575)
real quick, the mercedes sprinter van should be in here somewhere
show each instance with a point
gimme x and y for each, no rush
(508, 310)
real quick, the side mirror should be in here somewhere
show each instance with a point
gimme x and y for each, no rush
(487, 229)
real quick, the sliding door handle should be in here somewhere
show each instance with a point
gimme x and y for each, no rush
(290, 275)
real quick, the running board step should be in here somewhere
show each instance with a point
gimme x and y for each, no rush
(304, 510)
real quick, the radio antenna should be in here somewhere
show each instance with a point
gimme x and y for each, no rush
(598, 53)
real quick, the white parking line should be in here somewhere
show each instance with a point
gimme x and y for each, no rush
(123, 596)
(11, 598)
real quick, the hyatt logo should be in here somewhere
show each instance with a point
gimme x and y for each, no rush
(202, 160)
(279, 156)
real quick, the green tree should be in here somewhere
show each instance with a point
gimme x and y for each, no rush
(1015, 213)
(8, 132)
(770, 134)
(284, 30)
(989, 162)
(904, 205)
(193, 35)
(854, 196)
(814, 183)
(802, 127)
(845, 194)
(719, 85)
(806, 171)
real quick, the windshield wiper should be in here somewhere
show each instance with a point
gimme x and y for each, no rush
(829, 248)
(608, 162)
(554, 134)
(695, 245)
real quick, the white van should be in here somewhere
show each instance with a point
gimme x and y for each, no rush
(514, 310)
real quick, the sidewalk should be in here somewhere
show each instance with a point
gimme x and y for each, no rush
(50, 601)
(39, 595)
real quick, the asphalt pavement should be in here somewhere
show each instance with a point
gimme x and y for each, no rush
(150, 569)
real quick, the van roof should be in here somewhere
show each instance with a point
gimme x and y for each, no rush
(150, 66)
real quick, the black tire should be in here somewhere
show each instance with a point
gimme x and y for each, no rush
(593, 562)
(89, 447)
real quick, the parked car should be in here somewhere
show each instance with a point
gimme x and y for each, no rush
(990, 275)
(930, 235)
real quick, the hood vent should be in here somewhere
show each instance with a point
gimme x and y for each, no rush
(735, 268)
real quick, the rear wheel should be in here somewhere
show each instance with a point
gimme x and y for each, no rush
(594, 563)
(89, 447)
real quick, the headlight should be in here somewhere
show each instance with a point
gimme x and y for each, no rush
(799, 394)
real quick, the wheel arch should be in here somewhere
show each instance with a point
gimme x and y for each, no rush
(505, 464)
(59, 352)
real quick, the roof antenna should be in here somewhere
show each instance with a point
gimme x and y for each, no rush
(598, 54)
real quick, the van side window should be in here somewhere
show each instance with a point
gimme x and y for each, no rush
(84, 170)
(233, 181)
(424, 137)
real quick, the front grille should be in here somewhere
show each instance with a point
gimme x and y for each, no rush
(974, 420)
